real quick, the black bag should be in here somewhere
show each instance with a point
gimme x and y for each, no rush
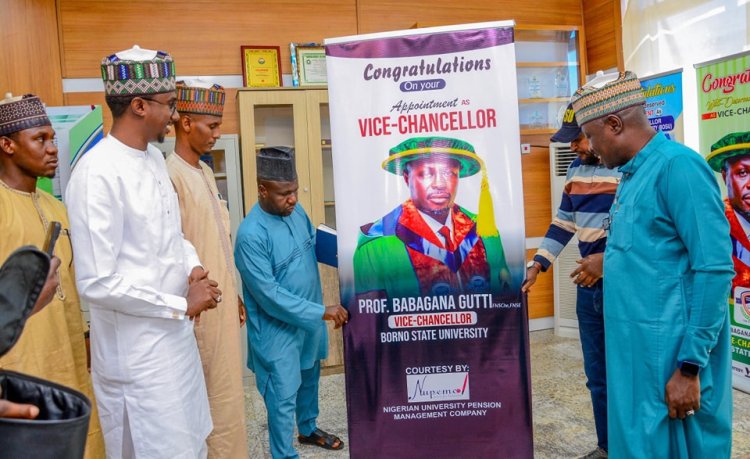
(22, 277)
(60, 430)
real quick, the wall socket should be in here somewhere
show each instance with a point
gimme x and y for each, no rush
(525, 148)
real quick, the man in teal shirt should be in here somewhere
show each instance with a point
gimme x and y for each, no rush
(287, 335)
(668, 267)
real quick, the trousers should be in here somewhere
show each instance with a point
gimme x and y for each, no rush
(590, 312)
(281, 413)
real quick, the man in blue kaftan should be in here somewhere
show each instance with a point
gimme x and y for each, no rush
(287, 335)
(668, 271)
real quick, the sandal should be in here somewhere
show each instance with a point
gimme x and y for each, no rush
(322, 439)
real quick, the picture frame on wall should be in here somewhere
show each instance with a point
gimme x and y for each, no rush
(261, 66)
(308, 64)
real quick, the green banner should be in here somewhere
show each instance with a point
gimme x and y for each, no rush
(724, 130)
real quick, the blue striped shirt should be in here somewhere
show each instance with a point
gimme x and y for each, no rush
(586, 200)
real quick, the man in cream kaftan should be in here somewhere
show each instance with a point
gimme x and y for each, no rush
(52, 344)
(205, 223)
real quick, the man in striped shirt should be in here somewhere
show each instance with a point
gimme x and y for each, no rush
(588, 195)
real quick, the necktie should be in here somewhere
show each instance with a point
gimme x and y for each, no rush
(446, 233)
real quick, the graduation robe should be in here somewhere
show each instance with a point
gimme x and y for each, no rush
(399, 255)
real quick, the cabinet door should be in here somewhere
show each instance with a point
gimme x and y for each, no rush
(548, 72)
(323, 205)
(274, 118)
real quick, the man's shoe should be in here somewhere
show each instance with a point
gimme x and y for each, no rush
(598, 453)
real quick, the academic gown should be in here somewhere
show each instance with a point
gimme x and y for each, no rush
(400, 255)
(52, 344)
(205, 223)
(668, 270)
(132, 266)
(281, 287)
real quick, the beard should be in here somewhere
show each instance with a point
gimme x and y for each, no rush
(590, 159)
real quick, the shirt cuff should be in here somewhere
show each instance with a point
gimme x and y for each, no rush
(178, 306)
(542, 261)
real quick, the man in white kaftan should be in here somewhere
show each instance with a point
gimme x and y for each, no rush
(142, 280)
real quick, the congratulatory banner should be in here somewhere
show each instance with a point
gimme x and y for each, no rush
(663, 95)
(724, 131)
(429, 208)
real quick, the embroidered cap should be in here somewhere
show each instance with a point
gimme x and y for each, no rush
(137, 71)
(200, 97)
(729, 146)
(22, 112)
(276, 164)
(591, 103)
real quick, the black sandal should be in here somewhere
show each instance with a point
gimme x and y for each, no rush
(322, 439)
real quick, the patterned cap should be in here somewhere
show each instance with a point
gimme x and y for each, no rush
(22, 112)
(731, 145)
(593, 103)
(276, 164)
(137, 71)
(200, 97)
(570, 129)
(433, 147)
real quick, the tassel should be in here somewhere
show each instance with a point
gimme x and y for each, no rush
(486, 216)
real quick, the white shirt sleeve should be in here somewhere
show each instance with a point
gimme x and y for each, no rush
(97, 222)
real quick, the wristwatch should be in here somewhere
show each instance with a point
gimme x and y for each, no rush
(533, 264)
(689, 368)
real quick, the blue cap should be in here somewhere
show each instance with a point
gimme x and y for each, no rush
(569, 130)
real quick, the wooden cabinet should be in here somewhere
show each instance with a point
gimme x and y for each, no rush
(549, 70)
(550, 66)
(298, 118)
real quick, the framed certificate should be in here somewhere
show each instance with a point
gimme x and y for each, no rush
(311, 64)
(261, 66)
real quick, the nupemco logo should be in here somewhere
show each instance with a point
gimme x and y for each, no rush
(436, 387)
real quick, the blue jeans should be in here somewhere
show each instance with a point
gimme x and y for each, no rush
(590, 312)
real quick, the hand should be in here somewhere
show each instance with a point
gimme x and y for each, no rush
(50, 286)
(17, 410)
(337, 314)
(243, 312)
(197, 274)
(589, 270)
(531, 274)
(682, 394)
(202, 294)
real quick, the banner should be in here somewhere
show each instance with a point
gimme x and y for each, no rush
(430, 223)
(663, 93)
(724, 131)
(77, 130)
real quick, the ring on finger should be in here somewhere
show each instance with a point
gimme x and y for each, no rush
(689, 412)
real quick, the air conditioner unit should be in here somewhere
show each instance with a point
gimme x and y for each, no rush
(566, 321)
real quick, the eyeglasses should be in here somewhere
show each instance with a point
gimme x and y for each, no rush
(172, 105)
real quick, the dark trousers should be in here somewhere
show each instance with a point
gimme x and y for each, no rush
(590, 312)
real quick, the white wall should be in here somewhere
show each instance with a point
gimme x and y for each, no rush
(662, 35)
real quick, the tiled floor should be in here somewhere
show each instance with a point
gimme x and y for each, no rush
(563, 424)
